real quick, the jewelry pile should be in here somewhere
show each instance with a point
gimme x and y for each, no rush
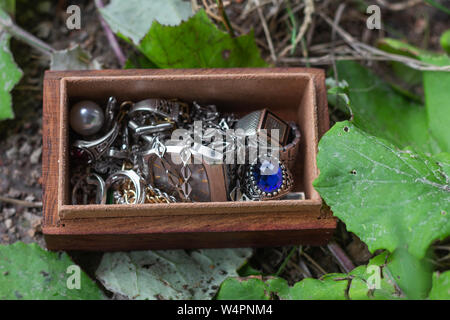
(166, 151)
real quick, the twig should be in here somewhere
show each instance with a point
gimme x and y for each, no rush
(225, 20)
(194, 5)
(308, 11)
(283, 265)
(399, 6)
(20, 34)
(313, 262)
(438, 6)
(251, 6)
(110, 35)
(305, 268)
(337, 18)
(21, 202)
(447, 257)
(328, 59)
(235, 27)
(266, 31)
(341, 257)
(442, 248)
(366, 51)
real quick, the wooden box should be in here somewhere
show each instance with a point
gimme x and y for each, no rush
(292, 93)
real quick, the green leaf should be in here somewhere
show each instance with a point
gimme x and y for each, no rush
(437, 96)
(197, 43)
(412, 275)
(399, 47)
(381, 111)
(139, 61)
(441, 286)
(443, 160)
(243, 289)
(445, 41)
(29, 272)
(8, 6)
(10, 75)
(389, 198)
(175, 274)
(357, 285)
(133, 18)
(437, 100)
(330, 287)
(247, 270)
(373, 281)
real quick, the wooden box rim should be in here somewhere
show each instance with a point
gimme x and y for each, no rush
(68, 219)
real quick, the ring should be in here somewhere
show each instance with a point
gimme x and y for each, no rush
(135, 179)
(91, 179)
(164, 108)
(267, 180)
(96, 148)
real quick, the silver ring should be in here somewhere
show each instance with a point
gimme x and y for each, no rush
(133, 177)
(275, 185)
(96, 148)
(160, 107)
(90, 179)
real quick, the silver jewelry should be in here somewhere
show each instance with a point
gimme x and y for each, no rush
(110, 113)
(166, 109)
(136, 133)
(96, 148)
(136, 180)
(149, 129)
(90, 179)
(267, 180)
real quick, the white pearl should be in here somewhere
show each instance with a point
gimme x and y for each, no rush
(86, 118)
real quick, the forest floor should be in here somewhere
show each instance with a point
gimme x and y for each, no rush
(21, 138)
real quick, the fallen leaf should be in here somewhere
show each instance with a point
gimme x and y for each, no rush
(73, 59)
(169, 275)
(133, 18)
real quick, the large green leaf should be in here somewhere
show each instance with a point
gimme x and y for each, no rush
(437, 100)
(389, 198)
(356, 285)
(10, 74)
(197, 43)
(441, 286)
(412, 275)
(175, 274)
(29, 272)
(133, 18)
(379, 110)
(445, 41)
(435, 83)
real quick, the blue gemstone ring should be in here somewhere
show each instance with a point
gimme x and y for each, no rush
(267, 180)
